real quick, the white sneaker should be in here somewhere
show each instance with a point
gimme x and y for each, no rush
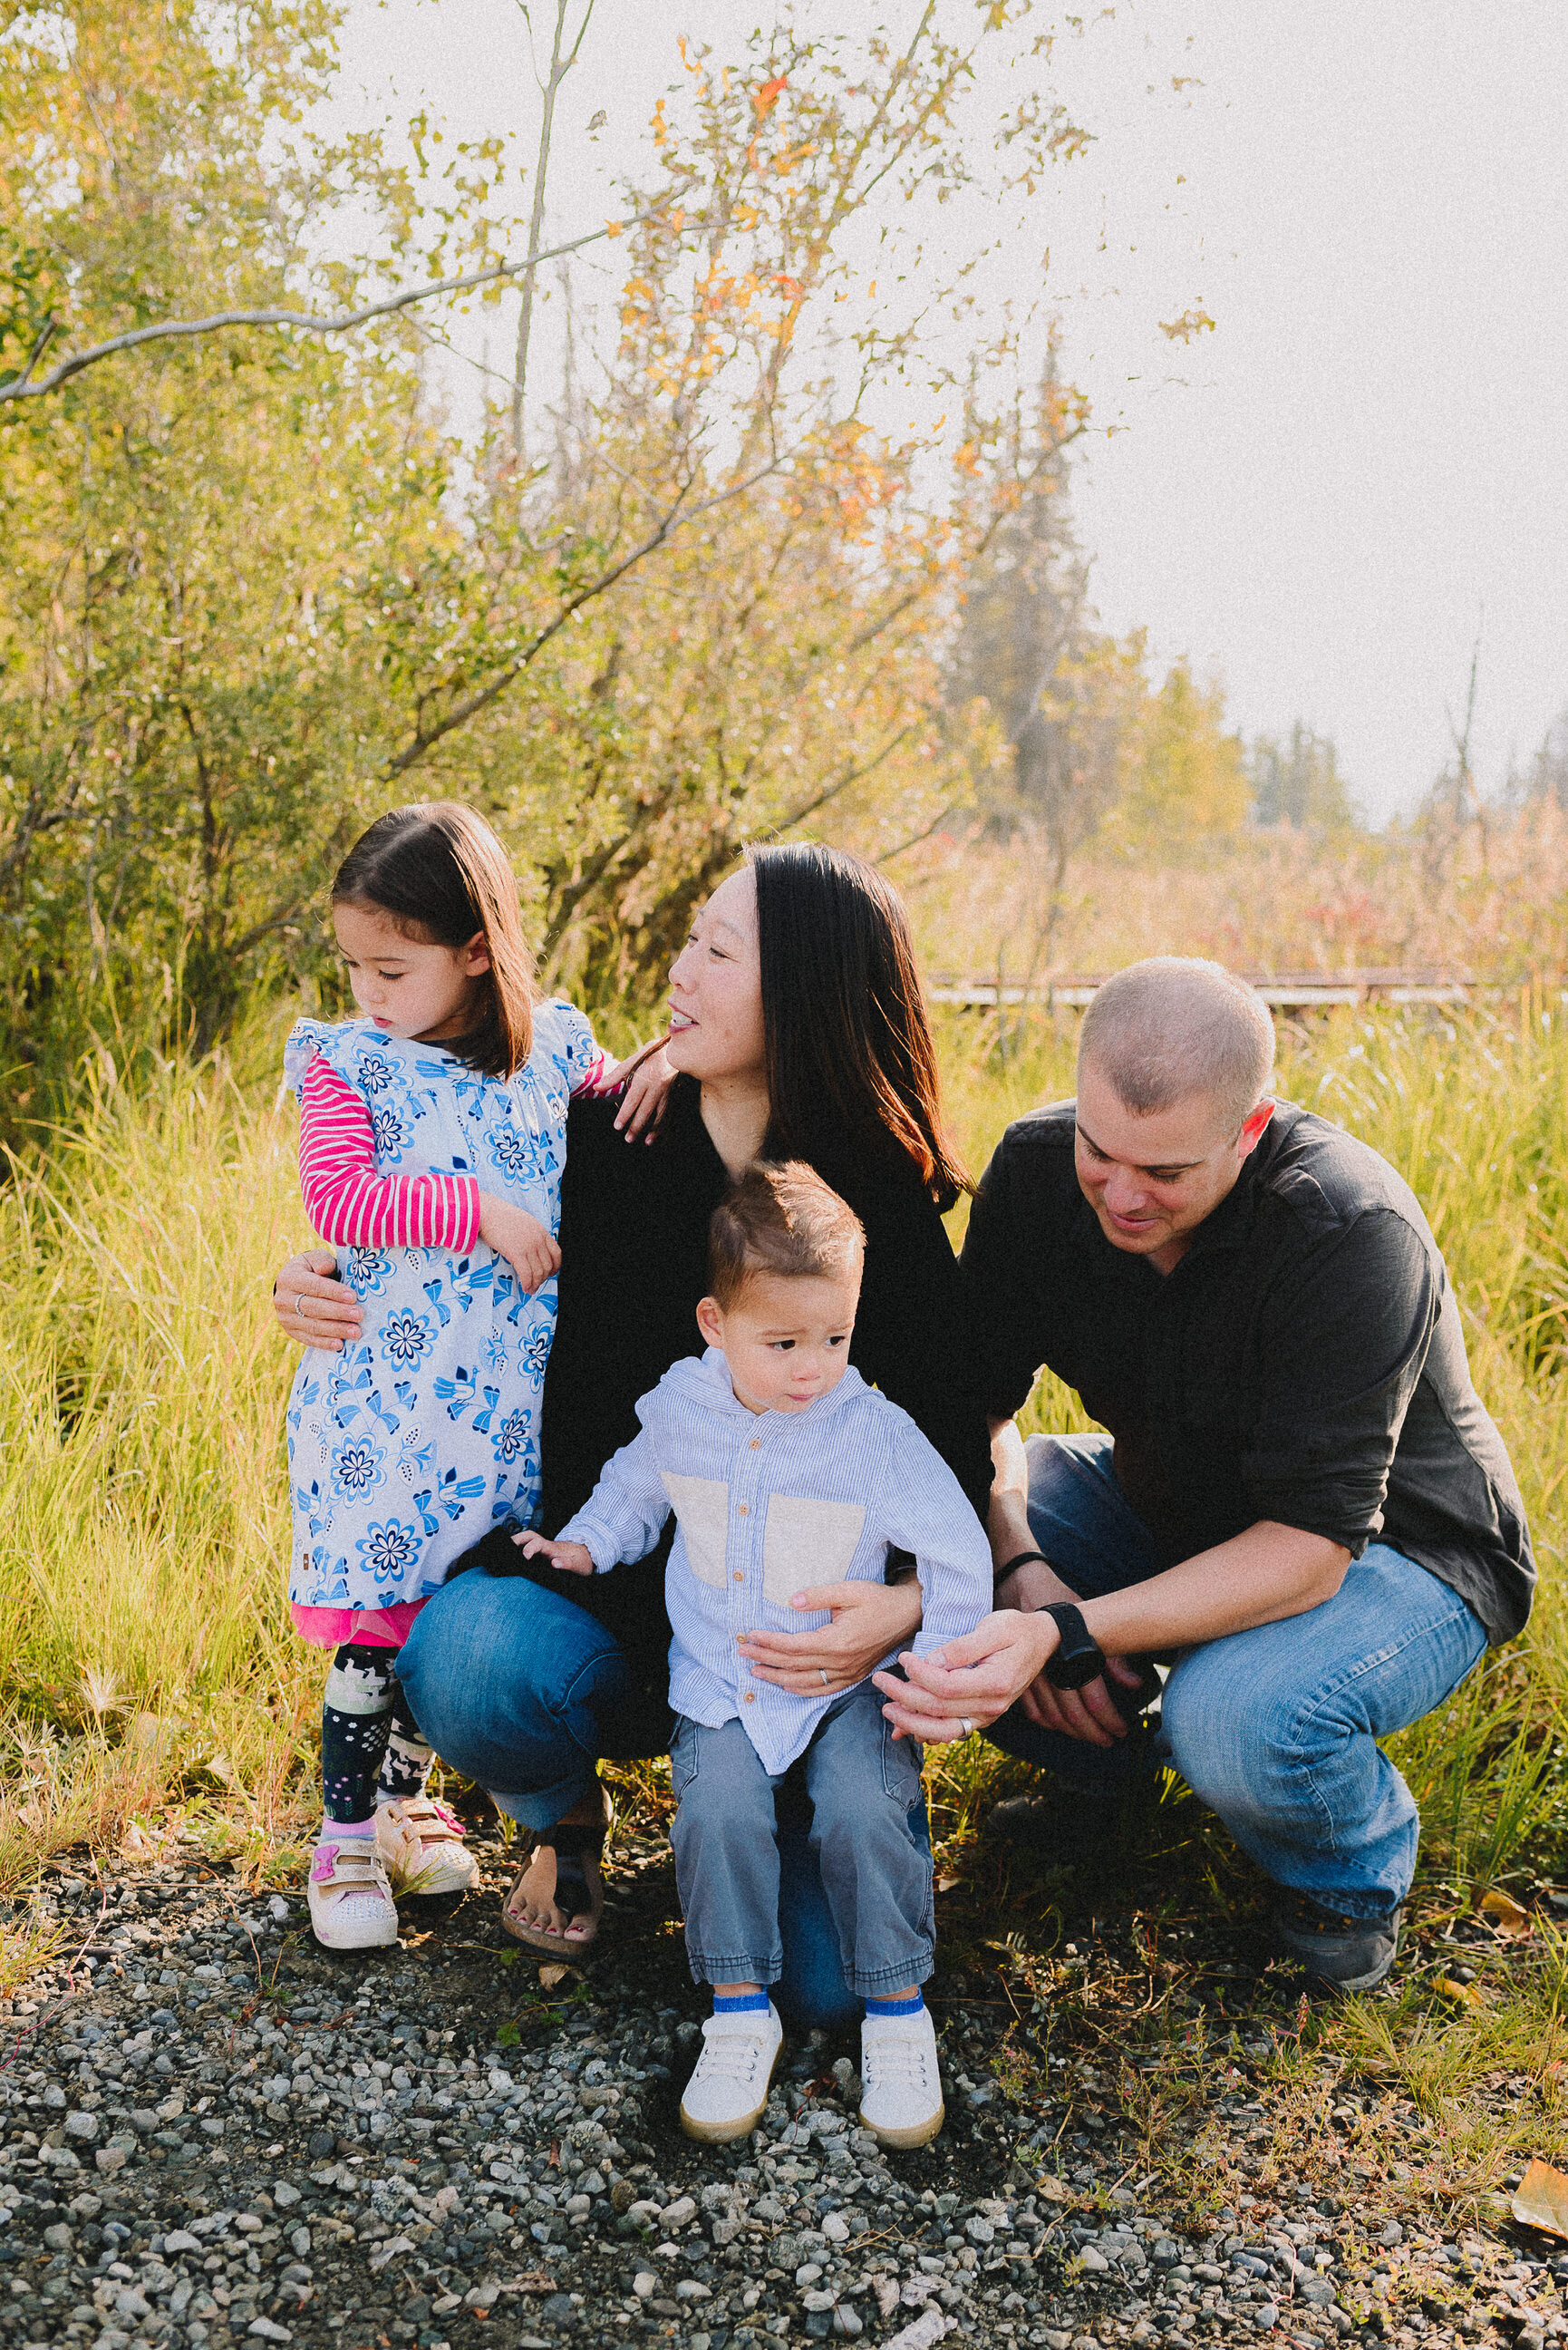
(351, 1906)
(421, 1842)
(728, 2094)
(902, 2100)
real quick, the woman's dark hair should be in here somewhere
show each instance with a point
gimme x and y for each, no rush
(848, 1045)
(440, 874)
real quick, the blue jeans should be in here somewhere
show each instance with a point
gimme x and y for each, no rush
(519, 1689)
(1276, 1729)
(876, 1874)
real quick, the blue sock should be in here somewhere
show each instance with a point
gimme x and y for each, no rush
(891, 2007)
(739, 2002)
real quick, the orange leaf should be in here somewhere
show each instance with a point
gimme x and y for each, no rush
(765, 100)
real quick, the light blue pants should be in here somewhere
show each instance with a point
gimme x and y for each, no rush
(517, 1688)
(876, 1870)
(1275, 1729)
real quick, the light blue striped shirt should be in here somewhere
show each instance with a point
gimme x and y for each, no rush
(768, 1505)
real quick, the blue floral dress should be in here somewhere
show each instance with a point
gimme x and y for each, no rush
(406, 1447)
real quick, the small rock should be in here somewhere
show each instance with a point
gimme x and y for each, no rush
(58, 2238)
(645, 2284)
(181, 2240)
(277, 1908)
(693, 2289)
(835, 2227)
(284, 2196)
(82, 2126)
(980, 2232)
(676, 2214)
(1269, 2314)
(1094, 2262)
(266, 2329)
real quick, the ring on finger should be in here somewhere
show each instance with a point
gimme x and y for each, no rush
(299, 1307)
(825, 1683)
(966, 1725)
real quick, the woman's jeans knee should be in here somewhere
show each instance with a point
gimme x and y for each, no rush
(510, 1684)
(1276, 1728)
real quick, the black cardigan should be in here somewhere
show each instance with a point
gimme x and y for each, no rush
(634, 1264)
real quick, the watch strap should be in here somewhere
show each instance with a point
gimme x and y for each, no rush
(1079, 1657)
(1019, 1558)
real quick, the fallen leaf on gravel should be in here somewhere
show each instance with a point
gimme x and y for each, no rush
(1540, 2199)
(537, 2282)
(1502, 1911)
(948, 1884)
(551, 1976)
(1465, 1993)
(1052, 2190)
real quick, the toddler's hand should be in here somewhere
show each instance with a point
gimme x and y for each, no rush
(519, 1238)
(572, 1558)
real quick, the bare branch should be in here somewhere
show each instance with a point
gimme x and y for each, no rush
(559, 68)
(19, 386)
(842, 783)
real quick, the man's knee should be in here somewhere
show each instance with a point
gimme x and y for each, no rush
(1237, 1743)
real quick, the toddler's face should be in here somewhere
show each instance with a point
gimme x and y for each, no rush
(410, 987)
(786, 1342)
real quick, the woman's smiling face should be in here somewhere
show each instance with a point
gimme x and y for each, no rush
(716, 988)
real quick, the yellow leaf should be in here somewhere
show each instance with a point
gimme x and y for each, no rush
(550, 1975)
(1465, 1993)
(1503, 1912)
(1540, 2199)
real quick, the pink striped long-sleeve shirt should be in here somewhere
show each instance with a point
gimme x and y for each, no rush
(352, 1206)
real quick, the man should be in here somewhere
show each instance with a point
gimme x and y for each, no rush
(1301, 1495)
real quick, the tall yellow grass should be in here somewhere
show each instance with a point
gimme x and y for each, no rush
(145, 1655)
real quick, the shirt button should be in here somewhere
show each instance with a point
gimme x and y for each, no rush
(750, 1696)
(743, 1511)
(755, 1445)
(739, 1576)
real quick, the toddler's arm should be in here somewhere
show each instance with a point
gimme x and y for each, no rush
(621, 1520)
(926, 1512)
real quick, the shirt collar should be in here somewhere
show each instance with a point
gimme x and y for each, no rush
(718, 1390)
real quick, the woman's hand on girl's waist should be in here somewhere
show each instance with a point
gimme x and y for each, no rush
(312, 1309)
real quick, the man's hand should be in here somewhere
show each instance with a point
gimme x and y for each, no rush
(519, 1238)
(572, 1558)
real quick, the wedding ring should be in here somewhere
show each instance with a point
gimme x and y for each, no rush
(966, 1725)
(825, 1680)
(299, 1307)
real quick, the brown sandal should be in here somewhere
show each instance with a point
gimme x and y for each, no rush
(577, 1851)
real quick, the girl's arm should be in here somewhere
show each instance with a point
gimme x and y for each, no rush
(353, 1206)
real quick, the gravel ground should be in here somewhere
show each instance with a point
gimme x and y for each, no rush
(216, 2134)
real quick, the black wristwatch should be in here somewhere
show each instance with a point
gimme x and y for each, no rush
(1078, 1659)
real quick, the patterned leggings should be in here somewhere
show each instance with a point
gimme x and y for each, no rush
(372, 1749)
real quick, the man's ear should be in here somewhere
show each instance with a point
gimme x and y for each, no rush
(1254, 1127)
(710, 1320)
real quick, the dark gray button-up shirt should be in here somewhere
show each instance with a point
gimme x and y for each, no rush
(1303, 1363)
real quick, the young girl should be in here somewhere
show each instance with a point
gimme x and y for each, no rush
(432, 1133)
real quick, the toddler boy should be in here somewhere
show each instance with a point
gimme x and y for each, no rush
(785, 1470)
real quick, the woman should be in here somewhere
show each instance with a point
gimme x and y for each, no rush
(797, 1029)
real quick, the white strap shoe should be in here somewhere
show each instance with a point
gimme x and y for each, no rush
(728, 2094)
(421, 1842)
(901, 2099)
(351, 1901)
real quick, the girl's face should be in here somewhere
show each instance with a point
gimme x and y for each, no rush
(412, 988)
(716, 988)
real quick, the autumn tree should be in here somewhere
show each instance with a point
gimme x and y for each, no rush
(1297, 780)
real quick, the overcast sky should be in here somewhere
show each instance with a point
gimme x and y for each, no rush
(1366, 463)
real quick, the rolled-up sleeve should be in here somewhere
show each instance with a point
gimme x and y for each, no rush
(1341, 1347)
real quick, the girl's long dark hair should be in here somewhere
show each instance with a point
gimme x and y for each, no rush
(849, 1044)
(440, 873)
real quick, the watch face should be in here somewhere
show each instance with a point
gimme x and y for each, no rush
(1077, 1670)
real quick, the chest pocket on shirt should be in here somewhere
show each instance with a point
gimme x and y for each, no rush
(807, 1543)
(702, 1507)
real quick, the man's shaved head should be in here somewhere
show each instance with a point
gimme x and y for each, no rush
(1170, 1029)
